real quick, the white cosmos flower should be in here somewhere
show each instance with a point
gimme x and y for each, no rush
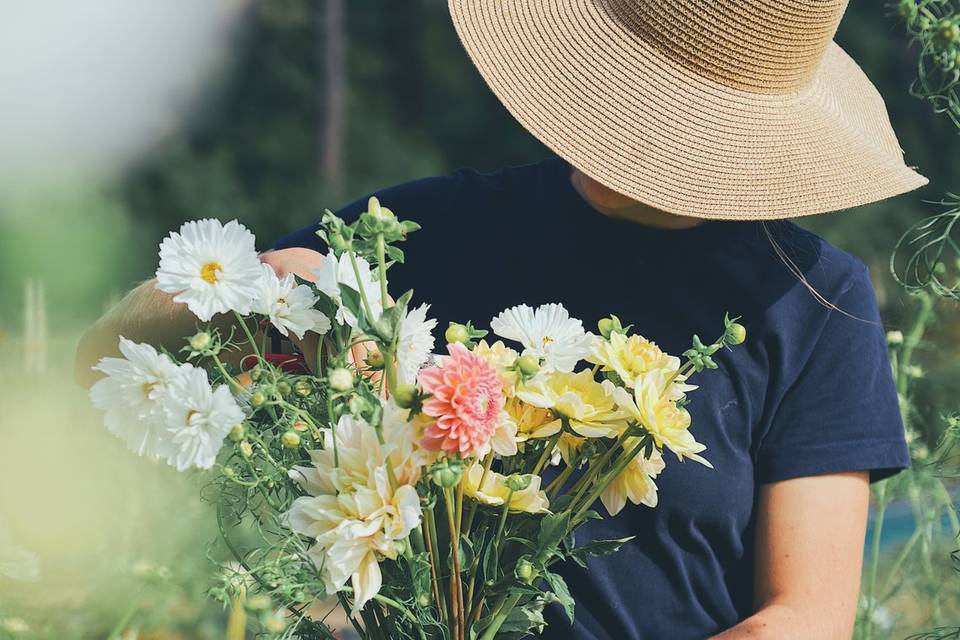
(132, 393)
(351, 511)
(211, 267)
(289, 306)
(332, 273)
(415, 343)
(548, 333)
(198, 417)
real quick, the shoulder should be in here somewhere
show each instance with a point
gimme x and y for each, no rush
(828, 270)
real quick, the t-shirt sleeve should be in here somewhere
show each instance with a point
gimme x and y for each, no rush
(841, 412)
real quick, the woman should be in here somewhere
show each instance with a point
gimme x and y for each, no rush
(685, 133)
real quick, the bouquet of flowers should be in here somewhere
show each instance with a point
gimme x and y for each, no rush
(428, 496)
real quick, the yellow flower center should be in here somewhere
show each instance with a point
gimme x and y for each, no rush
(547, 340)
(210, 272)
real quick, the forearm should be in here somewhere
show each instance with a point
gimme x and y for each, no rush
(775, 621)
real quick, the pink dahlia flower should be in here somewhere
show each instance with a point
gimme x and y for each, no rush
(466, 400)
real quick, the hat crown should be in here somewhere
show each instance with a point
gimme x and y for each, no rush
(764, 46)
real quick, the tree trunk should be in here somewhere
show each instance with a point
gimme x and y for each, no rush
(332, 30)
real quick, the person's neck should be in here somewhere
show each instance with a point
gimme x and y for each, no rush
(630, 210)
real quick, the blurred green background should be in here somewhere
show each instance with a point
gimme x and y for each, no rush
(298, 106)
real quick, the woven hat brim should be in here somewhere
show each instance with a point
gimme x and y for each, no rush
(638, 122)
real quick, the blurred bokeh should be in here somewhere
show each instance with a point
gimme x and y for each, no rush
(120, 119)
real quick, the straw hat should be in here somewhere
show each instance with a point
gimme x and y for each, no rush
(728, 109)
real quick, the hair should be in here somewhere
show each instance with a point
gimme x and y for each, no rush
(802, 278)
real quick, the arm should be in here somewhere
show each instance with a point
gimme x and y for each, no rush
(149, 315)
(808, 556)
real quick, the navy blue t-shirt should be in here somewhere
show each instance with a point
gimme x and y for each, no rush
(810, 392)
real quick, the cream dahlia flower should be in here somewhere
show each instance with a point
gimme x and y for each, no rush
(587, 405)
(351, 511)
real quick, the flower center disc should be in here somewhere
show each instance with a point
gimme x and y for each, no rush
(210, 272)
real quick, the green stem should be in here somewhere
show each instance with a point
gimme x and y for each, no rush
(404, 611)
(875, 557)
(502, 610)
(125, 619)
(487, 463)
(456, 590)
(248, 334)
(367, 309)
(602, 484)
(547, 452)
(554, 487)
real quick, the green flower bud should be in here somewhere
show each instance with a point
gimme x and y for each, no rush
(447, 473)
(340, 379)
(246, 449)
(358, 407)
(528, 366)
(524, 570)
(237, 433)
(456, 333)
(303, 388)
(948, 33)
(518, 482)
(424, 599)
(915, 372)
(290, 440)
(405, 396)
(374, 360)
(894, 338)
(908, 10)
(256, 373)
(229, 472)
(606, 327)
(259, 602)
(284, 389)
(201, 341)
(258, 398)
(736, 334)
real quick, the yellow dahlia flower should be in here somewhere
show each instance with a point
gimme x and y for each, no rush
(587, 405)
(631, 357)
(635, 483)
(669, 424)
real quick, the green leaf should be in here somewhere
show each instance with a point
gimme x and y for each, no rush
(562, 593)
(602, 547)
(553, 528)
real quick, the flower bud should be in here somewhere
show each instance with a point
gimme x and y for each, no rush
(736, 334)
(340, 379)
(229, 472)
(517, 482)
(908, 10)
(246, 449)
(405, 396)
(456, 333)
(948, 33)
(528, 366)
(894, 338)
(258, 398)
(284, 389)
(374, 360)
(237, 433)
(299, 425)
(290, 440)
(524, 570)
(358, 407)
(424, 599)
(303, 388)
(447, 473)
(259, 602)
(915, 372)
(201, 341)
